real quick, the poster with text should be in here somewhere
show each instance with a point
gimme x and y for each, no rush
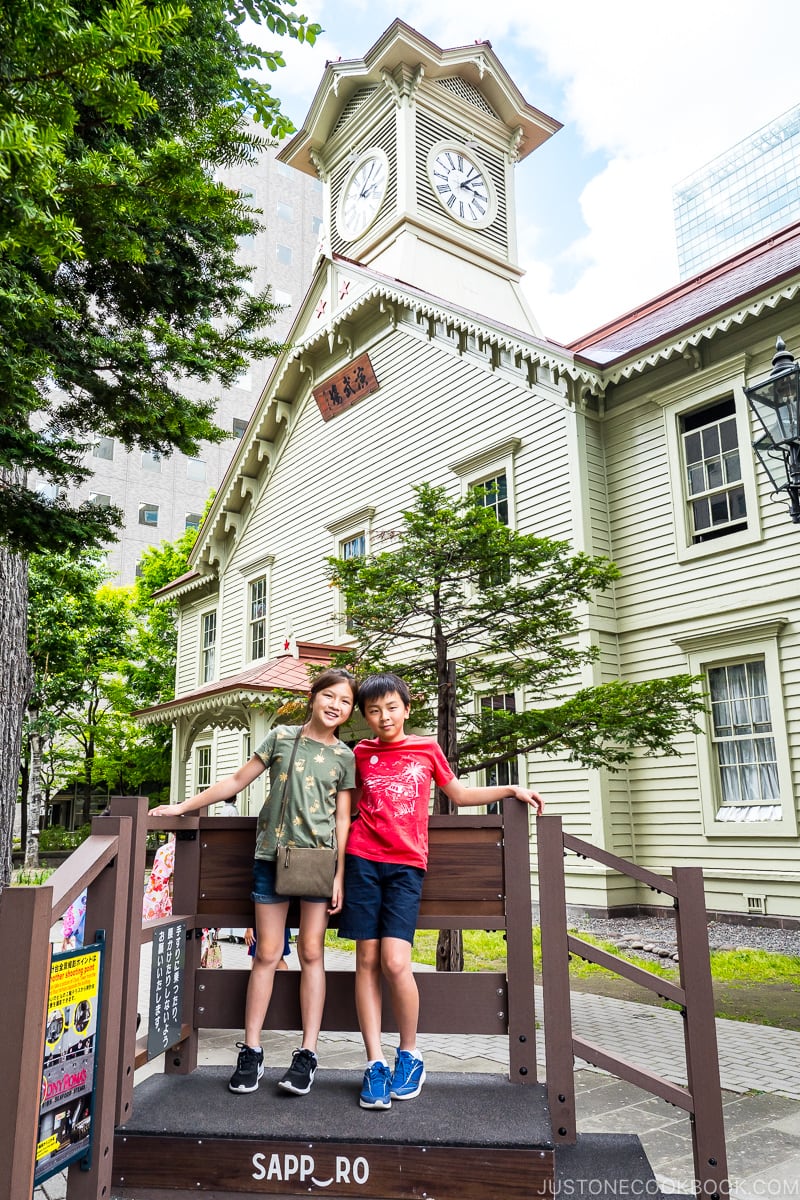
(166, 987)
(68, 1070)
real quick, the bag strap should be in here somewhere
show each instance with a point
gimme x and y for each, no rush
(285, 796)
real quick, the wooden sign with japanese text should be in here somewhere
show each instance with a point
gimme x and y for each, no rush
(346, 388)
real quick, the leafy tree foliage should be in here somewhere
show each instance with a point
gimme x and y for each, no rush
(118, 277)
(118, 272)
(459, 588)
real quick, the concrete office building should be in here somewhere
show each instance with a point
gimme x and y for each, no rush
(161, 498)
(748, 192)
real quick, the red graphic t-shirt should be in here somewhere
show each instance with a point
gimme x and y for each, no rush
(395, 780)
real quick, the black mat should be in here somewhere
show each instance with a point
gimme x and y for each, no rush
(599, 1161)
(456, 1108)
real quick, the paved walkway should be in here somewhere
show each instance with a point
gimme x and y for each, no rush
(759, 1066)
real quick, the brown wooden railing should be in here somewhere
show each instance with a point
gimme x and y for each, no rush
(479, 872)
(701, 1098)
(110, 865)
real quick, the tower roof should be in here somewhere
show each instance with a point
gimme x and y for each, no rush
(401, 46)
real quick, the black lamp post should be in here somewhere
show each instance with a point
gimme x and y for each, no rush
(776, 404)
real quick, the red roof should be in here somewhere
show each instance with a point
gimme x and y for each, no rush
(284, 673)
(761, 266)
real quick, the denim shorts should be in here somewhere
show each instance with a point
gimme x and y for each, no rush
(380, 899)
(264, 885)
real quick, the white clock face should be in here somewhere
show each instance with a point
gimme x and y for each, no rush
(362, 194)
(461, 186)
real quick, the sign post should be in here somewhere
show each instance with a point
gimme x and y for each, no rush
(66, 1107)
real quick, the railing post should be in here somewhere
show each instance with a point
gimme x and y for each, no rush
(107, 908)
(559, 1060)
(25, 955)
(182, 1059)
(700, 1034)
(519, 938)
(134, 807)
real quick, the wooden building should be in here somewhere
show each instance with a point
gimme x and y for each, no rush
(414, 358)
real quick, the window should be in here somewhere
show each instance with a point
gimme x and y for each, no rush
(742, 733)
(239, 426)
(713, 472)
(49, 491)
(354, 547)
(711, 467)
(284, 211)
(148, 514)
(284, 254)
(192, 521)
(151, 460)
(316, 226)
(202, 768)
(743, 765)
(351, 539)
(502, 773)
(258, 618)
(101, 499)
(492, 493)
(208, 645)
(195, 469)
(246, 793)
(104, 448)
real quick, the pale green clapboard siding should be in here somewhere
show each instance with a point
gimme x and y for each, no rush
(433, 410)
(186, 673)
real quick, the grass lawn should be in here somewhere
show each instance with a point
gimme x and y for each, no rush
(749, 985)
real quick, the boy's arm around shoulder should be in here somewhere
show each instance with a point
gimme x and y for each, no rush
(462, 795)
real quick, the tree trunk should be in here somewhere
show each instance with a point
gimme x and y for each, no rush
(450, 943)
(15, 686)
(34, 793)
(24, 775)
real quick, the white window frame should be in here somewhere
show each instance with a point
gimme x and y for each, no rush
(243, 799)
(480, 697)
(203, 676)
(202, 748)
(346, 529)
(486, 464)
(145, 507)
(726, 645)
(252, 571)
(712, 387)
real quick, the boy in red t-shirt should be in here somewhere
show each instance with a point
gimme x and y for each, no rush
(387, 853)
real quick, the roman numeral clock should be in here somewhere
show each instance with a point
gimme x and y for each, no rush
(461, 185)
(416, 148)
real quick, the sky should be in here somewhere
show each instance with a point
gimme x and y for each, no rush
(647, 94)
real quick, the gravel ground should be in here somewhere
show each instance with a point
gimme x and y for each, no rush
(649, 936)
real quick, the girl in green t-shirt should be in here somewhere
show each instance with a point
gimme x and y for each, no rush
(318, 804)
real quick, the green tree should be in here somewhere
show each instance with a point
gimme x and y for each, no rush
(462, 605)
(77, 631)
(118, 275)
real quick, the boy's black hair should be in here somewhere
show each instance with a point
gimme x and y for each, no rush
(375, 686)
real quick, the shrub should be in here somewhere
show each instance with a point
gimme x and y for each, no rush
(57, 838)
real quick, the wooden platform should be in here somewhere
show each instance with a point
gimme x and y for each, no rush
(465, 1136)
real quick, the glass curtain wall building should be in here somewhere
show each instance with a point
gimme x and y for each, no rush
(748, 192)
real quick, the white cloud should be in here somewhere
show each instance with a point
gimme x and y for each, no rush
(652, 90)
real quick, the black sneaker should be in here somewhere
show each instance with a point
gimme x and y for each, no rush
(300, 1076)
(249, 1069)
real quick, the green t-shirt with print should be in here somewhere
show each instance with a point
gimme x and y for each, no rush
(319, 771)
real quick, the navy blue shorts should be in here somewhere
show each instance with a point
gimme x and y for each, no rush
(380, 899)
(264, 885)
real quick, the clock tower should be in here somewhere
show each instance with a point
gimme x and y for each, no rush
(416, 148)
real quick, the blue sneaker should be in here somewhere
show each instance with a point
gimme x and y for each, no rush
(375, 1088)
(408, 1076)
